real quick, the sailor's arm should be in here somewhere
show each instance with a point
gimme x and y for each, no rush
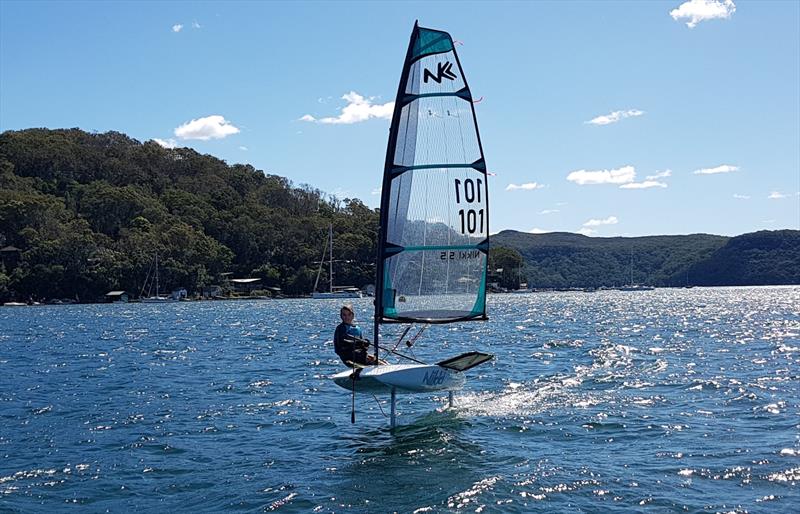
(357, 342)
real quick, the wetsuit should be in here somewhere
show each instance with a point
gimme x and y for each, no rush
(346, 346)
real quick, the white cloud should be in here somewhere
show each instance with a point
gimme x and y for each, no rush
(649, 181)
(618, 176)
(777, 195)
(701, 10)
(177, 27)
(549, 211)
(741, 197)
(725, 168)
(210, 127)
(358, 109)
(196, 25)
(166, 143)
(659, 174)
(586, 231)
(538, 231)
(614, 117)
(529, 186)
(376, 191)
(341, 193)
(611, 220)
(643, 185)
(243, 148)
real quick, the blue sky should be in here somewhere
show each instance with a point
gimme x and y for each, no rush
(606, 118)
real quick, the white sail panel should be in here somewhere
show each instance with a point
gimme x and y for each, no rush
(435, 130)
(438, 207)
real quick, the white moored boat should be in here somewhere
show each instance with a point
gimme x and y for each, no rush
(333, 291)
(149, 283)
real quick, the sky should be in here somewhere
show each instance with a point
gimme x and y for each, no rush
(603, 118)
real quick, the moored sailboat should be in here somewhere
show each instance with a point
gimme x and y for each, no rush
(149, 283)
(333, 292)
(631, 285)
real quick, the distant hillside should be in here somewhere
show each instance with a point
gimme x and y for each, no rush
(760, 258)
(562, 259)
(83, 213)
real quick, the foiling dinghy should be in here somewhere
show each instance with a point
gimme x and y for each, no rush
(434, 229)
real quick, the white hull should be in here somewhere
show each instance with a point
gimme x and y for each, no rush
(338, 294)
(405, 378)
(157, 299)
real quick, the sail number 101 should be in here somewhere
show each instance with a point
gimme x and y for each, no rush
(471, 219)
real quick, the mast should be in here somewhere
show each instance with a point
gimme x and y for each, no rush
(386, 184)
(319, 270)
(156, 274)
(631, 267)
(330, 266)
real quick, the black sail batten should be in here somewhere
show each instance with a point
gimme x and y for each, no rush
(390, 249)
(440, 317)
(434, 236)
(478, 165)
(464, 93)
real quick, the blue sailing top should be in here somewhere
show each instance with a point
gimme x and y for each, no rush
(345, 346)
(343, 330)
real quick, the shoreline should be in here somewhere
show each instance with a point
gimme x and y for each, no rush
(622, 289)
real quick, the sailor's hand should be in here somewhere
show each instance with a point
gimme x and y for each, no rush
(359, 343)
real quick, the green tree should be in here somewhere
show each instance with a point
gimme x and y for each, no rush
(506, 264)
(112, 208)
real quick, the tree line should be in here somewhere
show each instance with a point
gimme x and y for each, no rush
(561, 260)
(84, 213)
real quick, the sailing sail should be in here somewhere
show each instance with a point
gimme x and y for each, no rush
(432, 261)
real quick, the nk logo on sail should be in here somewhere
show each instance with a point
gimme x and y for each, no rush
(443, 71)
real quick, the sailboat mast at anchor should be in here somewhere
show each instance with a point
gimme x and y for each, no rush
(346, 292)
(158, 298)
(330, 262)
(433, 240)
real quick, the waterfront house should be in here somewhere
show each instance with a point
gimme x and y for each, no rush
(245, 285)
(117, 297)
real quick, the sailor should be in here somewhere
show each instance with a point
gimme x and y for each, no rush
(348, 342)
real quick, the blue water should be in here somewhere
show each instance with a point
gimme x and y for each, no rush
(660, 401)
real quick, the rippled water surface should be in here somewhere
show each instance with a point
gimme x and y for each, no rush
(666, 400)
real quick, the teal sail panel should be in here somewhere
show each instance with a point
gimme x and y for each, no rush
(432, 262)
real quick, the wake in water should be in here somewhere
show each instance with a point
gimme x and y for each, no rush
(615, 367)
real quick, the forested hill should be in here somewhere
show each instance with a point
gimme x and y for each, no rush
(88, 213)
(82, 214)
(571, 260)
